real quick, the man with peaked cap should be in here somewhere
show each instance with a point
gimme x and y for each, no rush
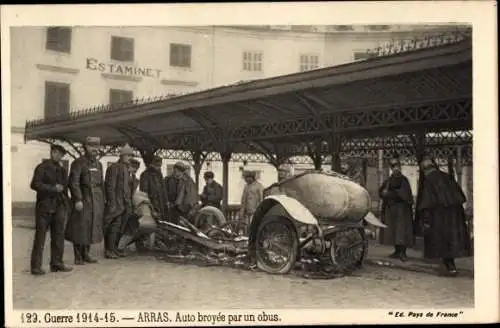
(440, 206)
(118, 186)
(50, 181)
(85, 224)
(397, 210)
(212, 191)
(187, 193)
(152, 183)
(252, 196)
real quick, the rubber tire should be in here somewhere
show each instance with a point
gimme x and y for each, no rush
(220, 219)
(295, 251)
(359, 263)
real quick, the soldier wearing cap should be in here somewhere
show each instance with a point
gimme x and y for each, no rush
(118, 186)
(397, 211)
(152, 183)
(50, 181)
(85, 224)
(439, 207)
(187, 195)
(252, 196)
(212, 191)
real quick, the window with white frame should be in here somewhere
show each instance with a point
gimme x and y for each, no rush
(252, 61)
(308, 62)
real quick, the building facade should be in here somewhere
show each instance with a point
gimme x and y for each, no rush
(56, 70)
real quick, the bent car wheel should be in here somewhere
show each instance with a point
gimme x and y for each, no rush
(348, 249)
(207, 217)
(276, 245)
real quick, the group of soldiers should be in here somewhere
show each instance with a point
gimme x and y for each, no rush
(86, 206)
(438, 214)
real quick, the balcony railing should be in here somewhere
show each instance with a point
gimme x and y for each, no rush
(428, 41)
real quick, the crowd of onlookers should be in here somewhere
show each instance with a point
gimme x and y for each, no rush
(86, 206)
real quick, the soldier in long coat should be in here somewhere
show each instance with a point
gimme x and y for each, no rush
(50, 181)
(187, 194)
(440, 206)
(152, 183)
(397, 200)
(85, 225)
(118, 185)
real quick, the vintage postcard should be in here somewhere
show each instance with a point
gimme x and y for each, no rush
(250, 164)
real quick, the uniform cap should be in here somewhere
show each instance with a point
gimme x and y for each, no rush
(180, 166)
(126, 150)
(93, 141)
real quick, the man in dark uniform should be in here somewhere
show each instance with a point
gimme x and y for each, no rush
(187, 195)
(152, 183)
(440, 207)
(50, 181)
(397, 200)
(171, 187)
(118, 185)
(212, 192)
(85, 225)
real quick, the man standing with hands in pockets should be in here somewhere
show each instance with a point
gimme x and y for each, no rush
(50, 181)
(85, 225)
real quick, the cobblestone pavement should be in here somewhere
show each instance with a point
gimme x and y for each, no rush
(147, 283)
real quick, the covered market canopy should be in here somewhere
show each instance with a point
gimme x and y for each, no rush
(392, 100)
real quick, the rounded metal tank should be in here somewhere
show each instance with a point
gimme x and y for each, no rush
(328, 195)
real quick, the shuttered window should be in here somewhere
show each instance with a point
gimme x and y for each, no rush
(122, 49)
(117, 96)
(252, 61)
(56, 99)
(180, 55)
(59, 39)
(308, 62)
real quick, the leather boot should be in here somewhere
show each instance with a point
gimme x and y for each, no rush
(86, 255)
(402, 254)
(78, 252)
(60, 268)
(109, 245)
(37, 272)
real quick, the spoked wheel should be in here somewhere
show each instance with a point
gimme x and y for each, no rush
(347, 249)
(208, 217)
(276, 245)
